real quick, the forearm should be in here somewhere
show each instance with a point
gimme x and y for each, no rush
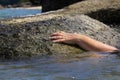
(83, 41)
(94, 45)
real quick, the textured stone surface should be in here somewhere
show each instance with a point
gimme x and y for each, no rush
(107, 11)
(29, 36)
(21, 40)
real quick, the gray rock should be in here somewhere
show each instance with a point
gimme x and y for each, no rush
(25, 38)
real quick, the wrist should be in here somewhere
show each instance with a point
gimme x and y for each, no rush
(77, 38)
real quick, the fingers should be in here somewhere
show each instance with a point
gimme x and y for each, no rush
(57, 33)
(55, 37)
(58, 40)
(63, 37)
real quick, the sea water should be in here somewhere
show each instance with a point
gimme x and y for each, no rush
(17, 12)
(47, 68)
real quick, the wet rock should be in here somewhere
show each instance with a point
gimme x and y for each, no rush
(15, 3)
(1, 7)
(9, 6)
(36, 2)
(25, 4)
(31, 38)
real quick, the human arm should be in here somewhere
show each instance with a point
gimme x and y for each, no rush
(83, 41)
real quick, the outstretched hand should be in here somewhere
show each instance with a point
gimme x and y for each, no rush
(64, 37)
(83, 41)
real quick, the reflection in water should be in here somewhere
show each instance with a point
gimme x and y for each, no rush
(47, 68)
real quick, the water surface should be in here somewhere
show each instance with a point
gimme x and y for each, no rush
(47, 68)
(17, 12)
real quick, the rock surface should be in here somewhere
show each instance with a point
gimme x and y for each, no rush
(26, 37)
(31, 37)
(1, 7)
(107, 11)
(15, 3)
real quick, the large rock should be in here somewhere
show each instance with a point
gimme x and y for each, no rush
(107, 11)
(8, 2)
(25, 37)
(1, 7)
(35, 2)
(79, 6)
(49, 5)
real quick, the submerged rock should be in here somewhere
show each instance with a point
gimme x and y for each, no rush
(30, 36)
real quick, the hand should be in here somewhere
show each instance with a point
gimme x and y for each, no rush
(83, 41)
(64, 37)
